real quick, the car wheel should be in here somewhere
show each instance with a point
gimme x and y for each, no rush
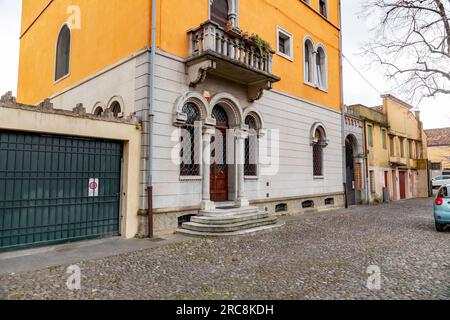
(439, 227)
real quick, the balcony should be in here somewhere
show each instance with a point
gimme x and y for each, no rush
(399, 161)
(214, 51)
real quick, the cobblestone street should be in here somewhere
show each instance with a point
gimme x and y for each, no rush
(318, 256)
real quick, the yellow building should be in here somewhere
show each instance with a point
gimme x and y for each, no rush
(438, 144)
(396, 147)
(268, 71)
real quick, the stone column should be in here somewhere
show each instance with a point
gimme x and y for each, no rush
(207, 204)
(241, 200)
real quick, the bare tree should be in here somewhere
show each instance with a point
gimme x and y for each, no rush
(411, 42)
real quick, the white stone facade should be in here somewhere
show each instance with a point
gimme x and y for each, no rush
(291, 118)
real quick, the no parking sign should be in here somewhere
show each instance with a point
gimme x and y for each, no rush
(93, 187)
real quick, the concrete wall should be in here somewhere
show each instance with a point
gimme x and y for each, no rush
(55, 122)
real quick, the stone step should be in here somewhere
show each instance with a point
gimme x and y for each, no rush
(265, 228)
(227, 219)
(230, 227)
(229, 212)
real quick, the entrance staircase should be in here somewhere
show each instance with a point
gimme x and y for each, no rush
(227, 221)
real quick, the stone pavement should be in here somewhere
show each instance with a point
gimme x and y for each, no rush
(317, 256)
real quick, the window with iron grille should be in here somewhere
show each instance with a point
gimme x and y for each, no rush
(251, 148)
(436, 166)
(318, 153)
(190, 166)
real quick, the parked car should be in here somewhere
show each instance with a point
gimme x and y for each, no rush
(440, 181)
(442, 208)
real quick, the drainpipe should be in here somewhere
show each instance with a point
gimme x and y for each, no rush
(151, 98)
(344, 174)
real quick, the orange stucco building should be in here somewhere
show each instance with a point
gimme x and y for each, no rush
(269, 71)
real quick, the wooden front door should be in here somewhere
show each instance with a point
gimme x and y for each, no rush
(219, 166)
(402, 184)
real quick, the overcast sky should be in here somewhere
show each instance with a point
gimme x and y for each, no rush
(435, 112)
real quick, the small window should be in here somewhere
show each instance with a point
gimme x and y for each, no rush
(370, 135)
(323, 8)
(321, 69)
(98, 111)
(329, 201)
(62, 53)
(285, 44)
(116, 109)
(392, 146)
(436, 166)
(184, 219)
(402, 147)
(308, 204)
(308, 61)
(282, 207)
(383, 139)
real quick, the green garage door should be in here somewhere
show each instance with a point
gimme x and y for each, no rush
(56, 189)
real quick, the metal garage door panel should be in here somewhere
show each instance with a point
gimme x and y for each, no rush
(44, 189)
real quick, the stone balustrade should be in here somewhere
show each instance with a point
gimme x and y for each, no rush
(211, 38)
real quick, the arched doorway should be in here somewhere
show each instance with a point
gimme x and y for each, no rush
(350, 147)
(219, 166)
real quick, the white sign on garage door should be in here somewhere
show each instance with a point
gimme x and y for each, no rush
(93, 187)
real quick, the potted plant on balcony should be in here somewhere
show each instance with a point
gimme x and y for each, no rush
(262, 45)
(233, 31)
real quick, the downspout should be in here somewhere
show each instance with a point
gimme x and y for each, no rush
(366, 159)
(344, 174)
(151, 98)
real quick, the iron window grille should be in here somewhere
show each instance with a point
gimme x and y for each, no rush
(251, 148)
(189, 166)
(318, 145)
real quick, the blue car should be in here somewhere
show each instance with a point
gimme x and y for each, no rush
(442, 208)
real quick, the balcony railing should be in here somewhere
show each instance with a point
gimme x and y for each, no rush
(211, 38)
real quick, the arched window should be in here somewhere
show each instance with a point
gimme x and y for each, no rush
(219, 12)
(321, 68)
(116, 109)
(98, 111)
(251, 148)
(323, 8)
(319, 143)
(62, 53)
(190, 165)
(308, 62)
